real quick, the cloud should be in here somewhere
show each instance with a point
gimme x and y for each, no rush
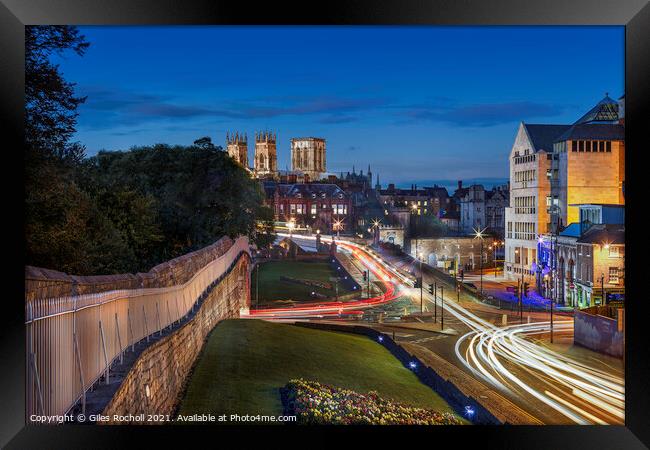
(482, 115)
(107, 108)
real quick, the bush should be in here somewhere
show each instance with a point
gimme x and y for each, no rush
(321, 404)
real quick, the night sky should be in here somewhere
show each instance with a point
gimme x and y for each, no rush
(417, 103)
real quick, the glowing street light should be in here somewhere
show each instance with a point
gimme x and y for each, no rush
(338, 225)
(478, 234)
(291, 225)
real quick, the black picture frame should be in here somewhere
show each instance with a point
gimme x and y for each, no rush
(633, 14)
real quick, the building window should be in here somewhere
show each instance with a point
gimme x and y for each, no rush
(588, 146)
(601, 146)
(313, 208)
(581, 146)
(613, 275)
(574, 146)
(608, 146)
(292, 208)
(614, 252)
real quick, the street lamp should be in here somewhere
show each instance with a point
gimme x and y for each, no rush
(291, 225)
(478, 234)
(375, 227)
(338, 224)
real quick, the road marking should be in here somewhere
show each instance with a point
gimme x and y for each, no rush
(427, 339)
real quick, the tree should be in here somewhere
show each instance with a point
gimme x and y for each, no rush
(50, 103)
(57, 211)
(204, 142)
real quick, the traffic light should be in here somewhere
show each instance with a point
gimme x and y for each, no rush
(365, 275)
(431, 289)
(418, 282)
(516, 291)
(525, 290)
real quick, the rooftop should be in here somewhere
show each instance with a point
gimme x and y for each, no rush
(604, 233)
(598, 131)
(543, 136)
(605, 111)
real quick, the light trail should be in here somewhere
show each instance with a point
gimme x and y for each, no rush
(491, 352)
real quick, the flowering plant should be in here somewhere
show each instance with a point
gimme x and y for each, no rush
(316, 403)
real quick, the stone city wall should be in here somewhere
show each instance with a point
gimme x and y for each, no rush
(599, 332)
(464, 249)
(45, 283)
(157, 379)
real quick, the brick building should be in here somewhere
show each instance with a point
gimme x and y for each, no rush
(313, 205)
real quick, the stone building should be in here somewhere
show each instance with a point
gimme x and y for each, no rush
(308, 156)
(472, 209)
(392, 234)
(266, 160)
(554, 168)
(237, 147)
(417, 200)
(496, 201)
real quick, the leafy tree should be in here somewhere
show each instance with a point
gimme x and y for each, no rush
(204, 142)
(50, 103)
(199, 194)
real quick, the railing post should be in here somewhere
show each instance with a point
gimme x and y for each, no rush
(81, 373)
(101, 335)
(169, 316)
(158, 319)
(37, 380)
(144, 323)
(130, 324)
(29, 344)
(119, 338)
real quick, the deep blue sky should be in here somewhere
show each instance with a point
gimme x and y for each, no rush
(417, 103)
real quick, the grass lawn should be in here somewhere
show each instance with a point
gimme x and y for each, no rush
(245, 363)
(272, 288)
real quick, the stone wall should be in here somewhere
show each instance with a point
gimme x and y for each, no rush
(464, 250)
(158, 377)
(45, 283)
(598, 332)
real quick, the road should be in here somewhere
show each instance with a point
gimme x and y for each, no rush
(557, 383)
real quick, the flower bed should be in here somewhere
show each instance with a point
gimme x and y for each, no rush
(316, 403)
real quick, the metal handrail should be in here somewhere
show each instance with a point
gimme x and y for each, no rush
(72, 341)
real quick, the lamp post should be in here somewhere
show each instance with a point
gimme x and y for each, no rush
(291, 225)
(442, 308)
(257, 284)
(375, 227)
(338, 224)
(602, 287)
(478, 234)
(435, 302)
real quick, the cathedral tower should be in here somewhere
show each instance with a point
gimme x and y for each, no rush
(266, 160)
(308, 156)
(237, 146)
